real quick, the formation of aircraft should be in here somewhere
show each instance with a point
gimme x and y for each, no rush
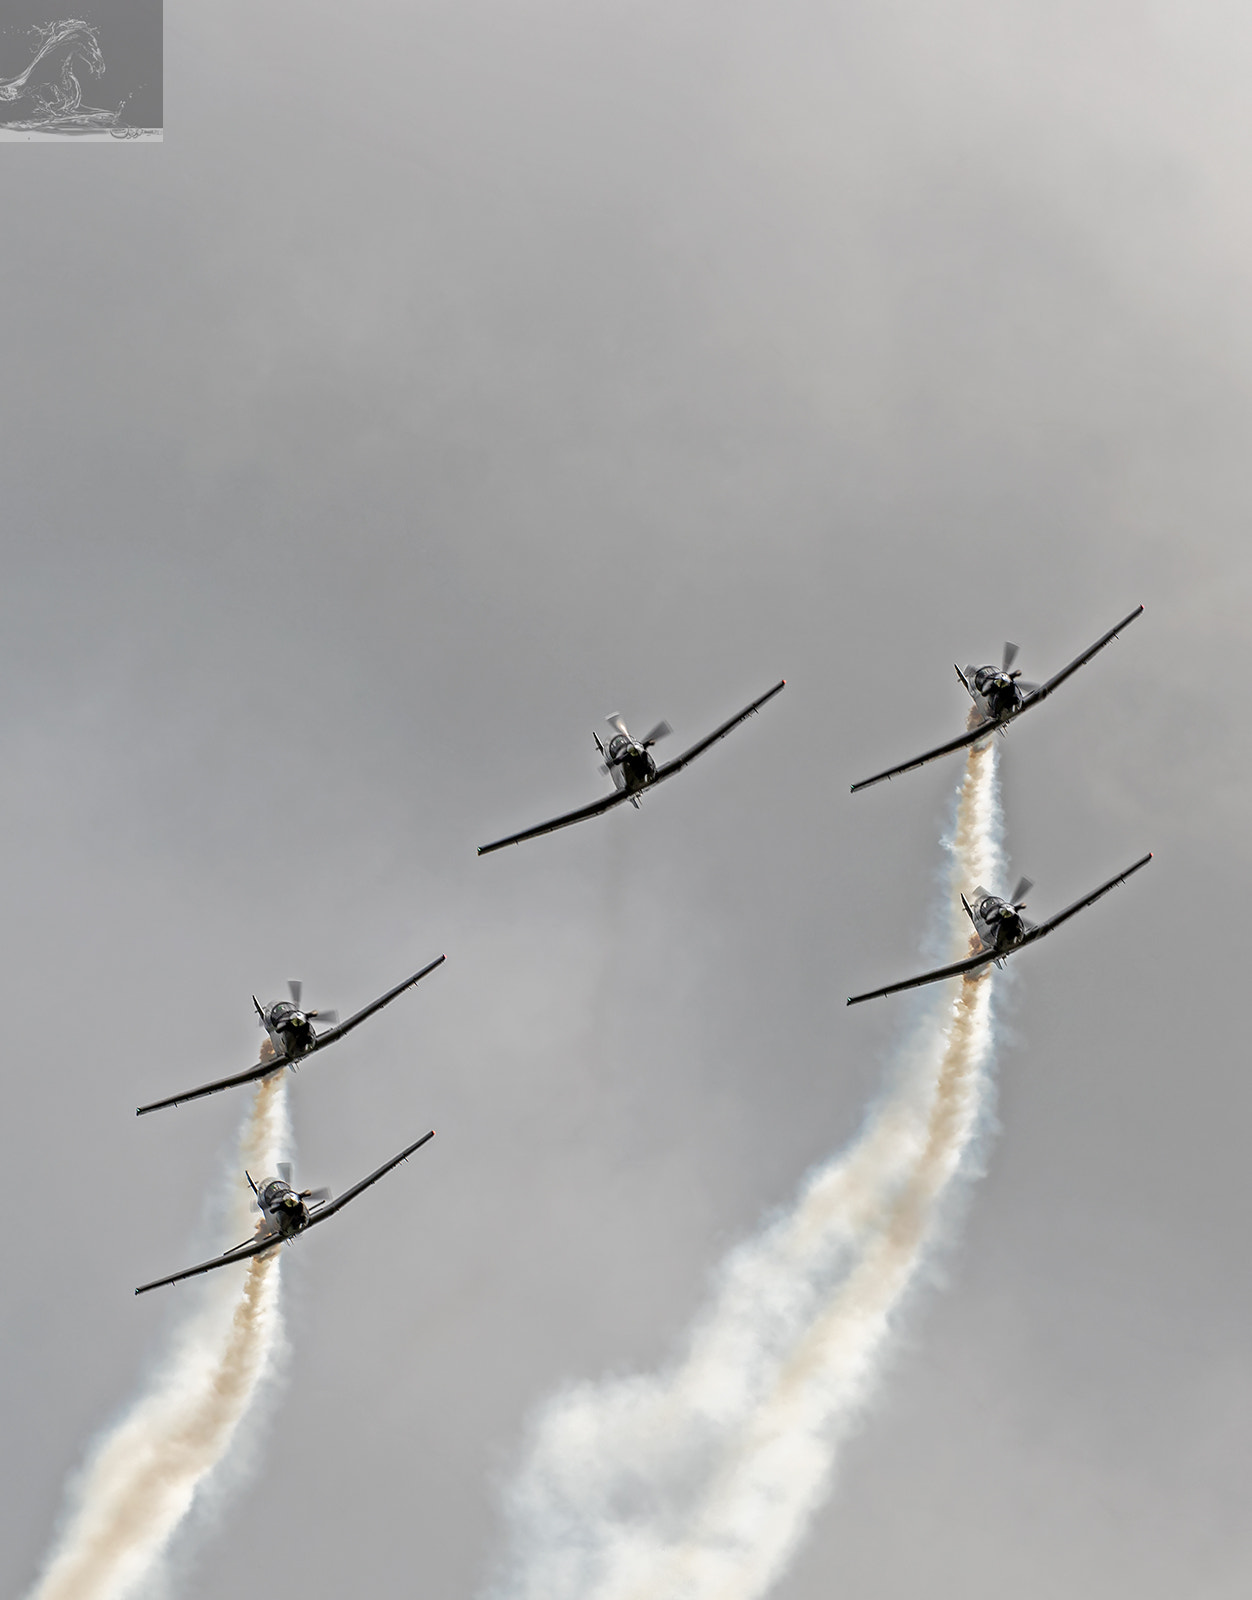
(633, 769)
(291, 1037)
(999, 697)
(999, 930)
(285, 1212)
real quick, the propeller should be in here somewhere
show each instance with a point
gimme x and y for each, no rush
(317, 1196)
(1010, 655)
(295, 988)
(615, 721)
(283, 1170)
(1024, 886)
(659, 732)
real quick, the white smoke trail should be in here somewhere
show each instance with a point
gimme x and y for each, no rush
(142, 1477)
(698, 1484)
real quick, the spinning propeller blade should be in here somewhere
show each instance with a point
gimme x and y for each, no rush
(283, 1170)
(659, 732)
(1024, 886)
(615, 721)
(1010, 655)
(296, 989)
(330, 1018)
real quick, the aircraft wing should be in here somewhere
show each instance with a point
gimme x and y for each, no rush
(1078, 905)
(957, 967)
(261, 1070)
(329, 1209)
(1045, 689)
(679, 762)
(593, 810)
(338, 1032)
(988, 725)
(254, 1247)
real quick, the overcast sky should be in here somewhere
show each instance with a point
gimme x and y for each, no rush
(453, 376)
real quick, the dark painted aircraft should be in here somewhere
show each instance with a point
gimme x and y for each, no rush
(285, 1212)
(632, 767)
(999, 697)
(1000, 929)
(291, 1037)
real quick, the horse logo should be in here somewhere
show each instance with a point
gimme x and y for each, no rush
(48, 92)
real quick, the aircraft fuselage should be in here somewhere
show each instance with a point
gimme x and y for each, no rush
(994, 692)
(283, 1209)
(630, 766)
(290, 1031)
(998, 924)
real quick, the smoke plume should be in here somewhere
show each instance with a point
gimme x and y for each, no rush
(700, 1482)
(142, 1477)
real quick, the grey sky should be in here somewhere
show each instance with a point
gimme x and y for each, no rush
(453, 377)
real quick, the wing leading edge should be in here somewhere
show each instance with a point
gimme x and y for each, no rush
(331, 1034)
(1037, 932)
(679, 762)
(593, 810)
(258, 1246)
(331, 1206)
(240, 1253)
(957, 967)
(987, 726)
(1079, 905)
(1045, 689)
(261, 1070)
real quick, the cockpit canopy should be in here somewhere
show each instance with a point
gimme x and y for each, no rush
(618, 744)
(273, 1191)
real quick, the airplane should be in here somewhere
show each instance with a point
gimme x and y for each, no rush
(999, 698)
(632, 767)
(1000, 929)
(291, 1037)
(285, 1212)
